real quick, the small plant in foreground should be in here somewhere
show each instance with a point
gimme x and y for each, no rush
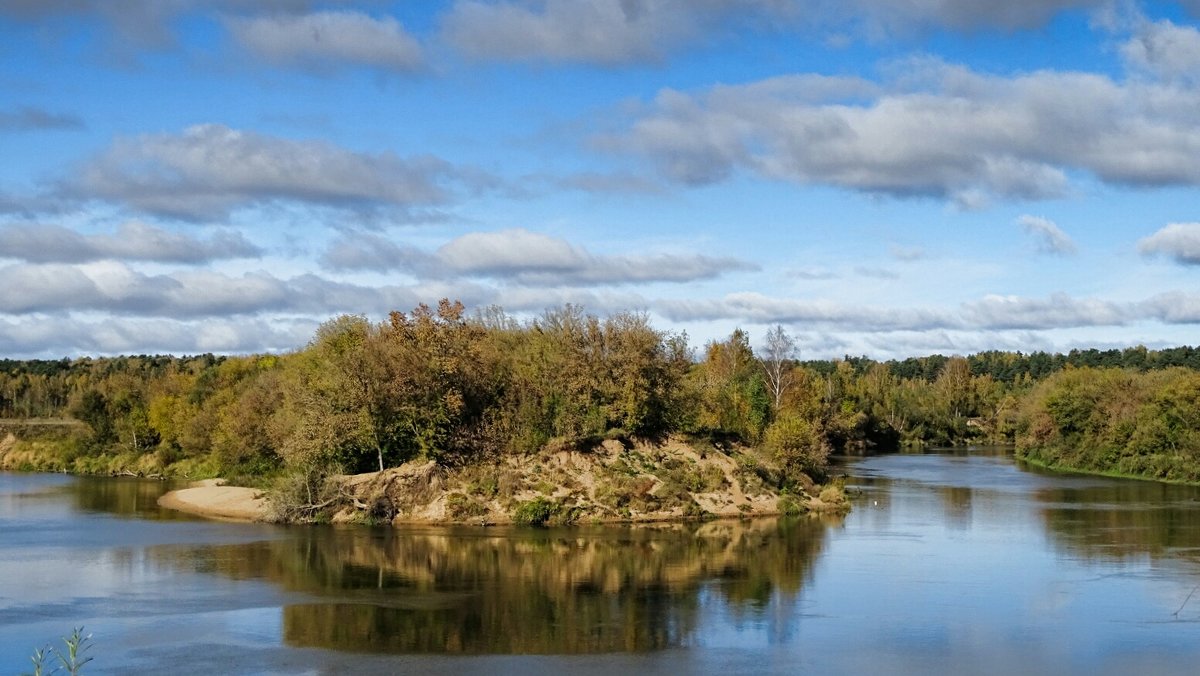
(70, 660)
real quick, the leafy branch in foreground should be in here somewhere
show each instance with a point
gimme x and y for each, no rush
(68, 661)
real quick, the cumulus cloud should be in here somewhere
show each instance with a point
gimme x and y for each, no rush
(1165, 50)
(132, 241)
(1173, 307)
(937, 130)
(523, 257)
(610, 32)
(28, 118)
(1179, 241)
(1050, 238)
(210, 170)
(325, 39)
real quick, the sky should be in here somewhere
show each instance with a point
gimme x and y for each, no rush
(888, 178)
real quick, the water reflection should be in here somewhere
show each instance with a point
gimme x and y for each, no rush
(519, 591)
(949, 563)
(1117, 520)
(957, 503)
(124, 496)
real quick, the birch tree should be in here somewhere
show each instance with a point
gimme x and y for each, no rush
(778, 354)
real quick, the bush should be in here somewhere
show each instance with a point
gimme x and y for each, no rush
(535, 512)
(798, 445)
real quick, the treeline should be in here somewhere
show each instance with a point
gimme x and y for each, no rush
(1016, 367)
(1116, 421)
(441, 384)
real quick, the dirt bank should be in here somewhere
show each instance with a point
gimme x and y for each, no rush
(613, 482)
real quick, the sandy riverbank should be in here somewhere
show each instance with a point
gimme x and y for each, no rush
(214, 500)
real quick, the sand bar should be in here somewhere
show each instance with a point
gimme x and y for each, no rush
(212, 499)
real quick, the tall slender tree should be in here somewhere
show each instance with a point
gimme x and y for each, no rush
(779, 356)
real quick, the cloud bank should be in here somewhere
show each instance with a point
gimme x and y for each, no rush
(522, 257)
(935, 130)
(325, 40)
(132, 241)
(210, 170)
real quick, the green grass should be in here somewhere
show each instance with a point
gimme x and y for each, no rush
(1066, 468)
(66, 660)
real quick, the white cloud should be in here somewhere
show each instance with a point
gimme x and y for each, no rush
(937, 131)
(989, 314)
(1050, 238)
(1166, 50)
(611, 32)
(1173, 307)
(210, 169)
(510, 251)
(1179, 241)
(901, 16)
(132, 25)
(523, 257)
(368, 251)
(132, 241)
(326, 39)
(52, 337)
(760, 309)
(1057, 311)
(606, 32)
(110, 286)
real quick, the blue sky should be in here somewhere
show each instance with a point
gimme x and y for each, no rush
(881, 177)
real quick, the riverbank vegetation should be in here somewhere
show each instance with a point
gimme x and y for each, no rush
(483, 390)
(1115, 421)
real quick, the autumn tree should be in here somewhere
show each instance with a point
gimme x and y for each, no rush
(733, 396)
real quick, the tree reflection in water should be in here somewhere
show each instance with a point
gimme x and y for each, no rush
(523, 591)
(1121, 520)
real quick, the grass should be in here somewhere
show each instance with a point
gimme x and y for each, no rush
(1065, 468)
(66, 660)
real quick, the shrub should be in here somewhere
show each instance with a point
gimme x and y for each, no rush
(798, 445)
(535, 512)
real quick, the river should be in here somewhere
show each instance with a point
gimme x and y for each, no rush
(951, 562)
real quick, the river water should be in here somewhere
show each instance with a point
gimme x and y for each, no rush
(951, 562)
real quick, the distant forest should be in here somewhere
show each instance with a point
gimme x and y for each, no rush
(442, 384)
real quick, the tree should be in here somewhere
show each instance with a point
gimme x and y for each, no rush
(778, 354)
(953, 386)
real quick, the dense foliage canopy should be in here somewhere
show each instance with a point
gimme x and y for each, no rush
(442, 384)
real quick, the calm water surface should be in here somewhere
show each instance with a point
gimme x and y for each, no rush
(954, 562)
